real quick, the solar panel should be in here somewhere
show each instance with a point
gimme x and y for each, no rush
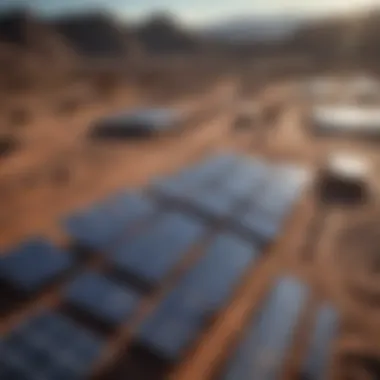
(102, 224)
(208, 170)
(200, 293)
(195, 177)
(316, 364)
(150, 255)
(281, 189)
(265, 345)
(33, 264)
(260, 225)
(101, 298)
(49, 347)
(169, 335)
(141, 121)
(235, 187)
(272, 202)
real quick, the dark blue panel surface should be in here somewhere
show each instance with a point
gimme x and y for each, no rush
(168, 335)
(209, 284)
(200, 293)
(265, 345)
(141, 120)
(210, 169)
(259, 224)
(33, 264)
(211, 202)
(157, 119)
(101, 298)
(283, 186)
(196, 177)
(220, 201)
(317, 360)
(272, 202)
(251, 171)
(102, 224)
(48, 347)
(151, 254)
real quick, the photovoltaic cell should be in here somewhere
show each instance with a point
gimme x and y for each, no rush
(49, 347)
(101, 225)
(211, 203)
(200, 293)
(317, 360)
(101, 298)
(196, 177)
(277, 201)
(272, 203)
(252, 169)
(138, 122)
(157, 119)
(33, 264)
(262, 352)
(220, 201)
(210, 169)
(261, 225)
(150, 255)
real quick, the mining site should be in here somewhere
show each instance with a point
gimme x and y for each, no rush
(172, 207)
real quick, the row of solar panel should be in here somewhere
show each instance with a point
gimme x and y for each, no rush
(203, 290)
(33, 266)
(148, 256)
(220, 186)
(48, 346)
(139, 122)
(214, 188)
(101, 225)
(51, 346)
(263, 351)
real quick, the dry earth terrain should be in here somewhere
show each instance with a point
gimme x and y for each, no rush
(58, 170)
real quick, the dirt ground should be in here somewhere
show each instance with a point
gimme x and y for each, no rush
(59, 170)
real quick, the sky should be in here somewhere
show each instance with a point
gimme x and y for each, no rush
(197, 11)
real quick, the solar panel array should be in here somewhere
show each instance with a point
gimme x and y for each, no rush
(200, 293)
(48, 346)
(101, 298)
(33, 265)
(139, 122)
(262, 352)
(264, 348)
(151, 254)
(101, 225)
(229, 207)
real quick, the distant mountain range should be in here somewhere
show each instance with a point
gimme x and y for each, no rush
(255, 29)
(101, 35)
(97, 34)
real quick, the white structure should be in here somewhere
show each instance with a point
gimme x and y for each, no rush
(347, 167)
(346, 120)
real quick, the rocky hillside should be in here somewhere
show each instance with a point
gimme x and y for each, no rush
(161, 34)
(94, 35)
(27, 48)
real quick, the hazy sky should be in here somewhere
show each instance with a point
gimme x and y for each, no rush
(198, 11)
